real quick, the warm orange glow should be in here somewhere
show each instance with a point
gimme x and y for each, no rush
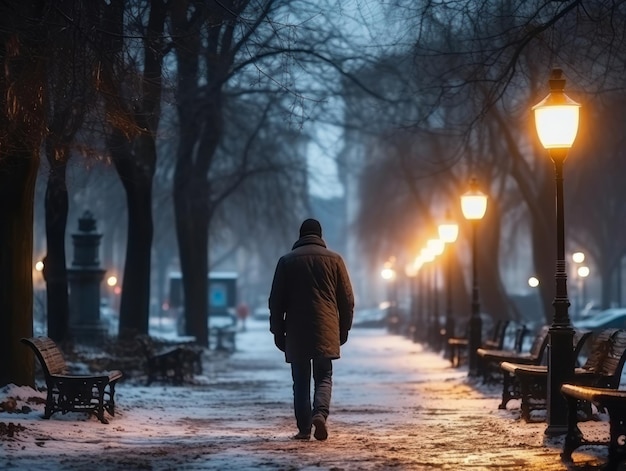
(473, 202)
(427, 255)
(557, 116)
(410, 270)
(417, 263)
(388, 273)
(436, 246)
(448, 231)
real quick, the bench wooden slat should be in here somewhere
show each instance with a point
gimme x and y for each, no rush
(612, 400)
(603, 368)
(490, 360)
(169, 362)
(69, 392)
(458, 345)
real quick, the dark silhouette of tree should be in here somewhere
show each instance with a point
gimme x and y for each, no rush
(237, 54)
(596, 192)
(23, 53)
(490, 62)
(70, 94)
(132, 95)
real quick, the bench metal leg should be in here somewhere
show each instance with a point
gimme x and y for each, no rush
(508, 387)
(574, 437)
(617, 444)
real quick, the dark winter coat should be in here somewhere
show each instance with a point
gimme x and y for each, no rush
(311, 301)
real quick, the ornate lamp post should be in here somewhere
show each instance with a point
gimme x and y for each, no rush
(578, 258)
(388, 273)
(448, 232)
(556, 119)
(410, 270)
(435, 246)
(416, 299)
(474, 206)
(582, 272)
(427, 256)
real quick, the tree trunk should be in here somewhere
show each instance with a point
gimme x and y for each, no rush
(136, 172)
(492, 291)
(135, 300)
(192, 226)
(133, 149)
(22, 92)
(18, 172)
(55, 268)
(544, 259)
(607, 283)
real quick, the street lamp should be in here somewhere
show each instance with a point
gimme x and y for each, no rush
(474, 206)
(388, 273)
(556, 119)
(427, 256)
(435, 246)
(410, 270)
(578, 258)
(582, 272)
(448, 232)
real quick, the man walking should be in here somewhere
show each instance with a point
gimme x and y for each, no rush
(311, 307)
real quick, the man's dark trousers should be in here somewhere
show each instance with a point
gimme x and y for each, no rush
(323, 382)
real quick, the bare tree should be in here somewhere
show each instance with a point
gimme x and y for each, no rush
(227, 51)
(22, 122)
(490, 62)
(132, 94)
(70, 95)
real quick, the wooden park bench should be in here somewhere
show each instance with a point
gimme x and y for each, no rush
(603, 368)
(489, 360)
(173, 362)
(71, 392)
(225, 338)
(457, 346)
(612, 400)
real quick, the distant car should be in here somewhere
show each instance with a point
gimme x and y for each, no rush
(261, 314)
(589, 310)
(373, 317)
(607, 319)
(216, 320)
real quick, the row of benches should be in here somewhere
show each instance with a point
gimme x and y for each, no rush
(457, 346)
(524, 376)
(163, 361)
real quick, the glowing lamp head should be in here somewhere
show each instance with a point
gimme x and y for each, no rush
(448, 231)
(583, 271)
(427, 255)
(473, 202)
(435, 246)
(557, 115)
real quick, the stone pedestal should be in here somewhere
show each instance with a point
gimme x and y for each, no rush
(84, 278)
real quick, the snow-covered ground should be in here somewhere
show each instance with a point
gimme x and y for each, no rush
(395, 406)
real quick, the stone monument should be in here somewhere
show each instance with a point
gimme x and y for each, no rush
(84, 278)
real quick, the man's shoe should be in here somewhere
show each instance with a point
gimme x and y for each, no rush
(302, 436)
(319, 422)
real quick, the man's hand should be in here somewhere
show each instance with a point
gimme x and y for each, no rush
(279, 341)
(343, 337)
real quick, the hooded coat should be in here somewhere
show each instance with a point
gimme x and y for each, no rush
(311, 301)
